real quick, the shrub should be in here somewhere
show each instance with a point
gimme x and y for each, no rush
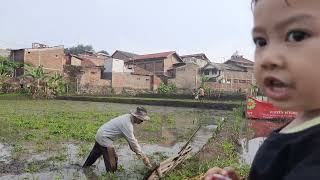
(167, 89)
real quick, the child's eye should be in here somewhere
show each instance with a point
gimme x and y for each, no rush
(297, 36)
(259, 41)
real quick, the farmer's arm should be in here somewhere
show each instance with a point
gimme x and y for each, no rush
(127, 131)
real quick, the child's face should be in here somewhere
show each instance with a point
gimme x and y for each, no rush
(287, 55)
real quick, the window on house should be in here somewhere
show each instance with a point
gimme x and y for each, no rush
(242, 81)
(93, 72)
(236, 81)
(213, 80)
(29, 52)
(249, 81)
(206, 72)
(214, 71)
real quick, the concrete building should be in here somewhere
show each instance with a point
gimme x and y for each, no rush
(115, 65)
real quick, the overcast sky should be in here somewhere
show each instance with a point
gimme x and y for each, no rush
(217, 28)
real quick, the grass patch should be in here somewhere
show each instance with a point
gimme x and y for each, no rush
(221, 151)
(35, 167)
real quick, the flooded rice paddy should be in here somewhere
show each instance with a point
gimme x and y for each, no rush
(50, 151)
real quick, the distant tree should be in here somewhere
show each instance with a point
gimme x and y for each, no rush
(104, 52)
(79, 49)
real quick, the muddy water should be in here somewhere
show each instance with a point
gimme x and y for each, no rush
(127, 159)
(5, 153)
(186, 119)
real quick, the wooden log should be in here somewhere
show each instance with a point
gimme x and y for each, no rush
(169, 164)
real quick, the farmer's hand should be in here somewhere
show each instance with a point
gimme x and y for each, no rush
(227, 172)
(147, 162)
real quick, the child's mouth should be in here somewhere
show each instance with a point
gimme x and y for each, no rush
(276, 89)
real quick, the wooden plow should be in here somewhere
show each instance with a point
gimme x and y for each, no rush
(159, 170)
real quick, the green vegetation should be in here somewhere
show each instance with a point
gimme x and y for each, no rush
(47, 125)
(167, 89)
(36, 166)
(59, 125)
(7, 71)
(219, 105)
(203, 80)
(221, 151)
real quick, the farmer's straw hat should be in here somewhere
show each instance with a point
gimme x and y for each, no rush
(140, 113)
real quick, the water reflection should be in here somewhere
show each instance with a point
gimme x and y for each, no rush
(250, 148)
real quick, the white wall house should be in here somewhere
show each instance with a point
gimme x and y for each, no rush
(115, 65)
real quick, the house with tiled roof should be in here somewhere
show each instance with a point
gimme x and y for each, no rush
(235, 74)
(200, 59)
(239, 60)
(85, 60)
(157, 63)
(123, 55)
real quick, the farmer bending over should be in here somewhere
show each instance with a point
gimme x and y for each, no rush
(121, 126)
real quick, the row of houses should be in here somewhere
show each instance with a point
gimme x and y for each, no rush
(140, 72)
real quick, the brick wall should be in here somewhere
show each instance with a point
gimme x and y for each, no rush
(127, 80)
(52, 59)
(156, 82)
(91, 82)
(235, 81)
(186, 77)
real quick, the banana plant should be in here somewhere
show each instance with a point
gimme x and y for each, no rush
(38, 77)
(56, 84)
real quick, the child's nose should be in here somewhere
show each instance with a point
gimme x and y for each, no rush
(272, 60)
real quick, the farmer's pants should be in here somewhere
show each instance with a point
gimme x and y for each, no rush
(109, 156)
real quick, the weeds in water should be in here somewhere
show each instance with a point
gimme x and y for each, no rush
(57, 178)
(60, 157)
(34, 167)
(17, 148)
(121, 168)
(158, 156)
(109, 176)
(83, 150)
